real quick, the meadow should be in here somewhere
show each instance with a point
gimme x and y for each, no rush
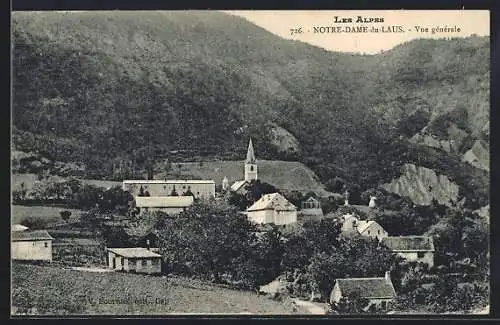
(49, 214)
(55, 290)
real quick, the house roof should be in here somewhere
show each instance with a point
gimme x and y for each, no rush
(30, 235)
(364, 225)
(163, 201)
(311, 200)
(237, 185)
(18, 227)
(274, 201)
(409, 243)
(367, 287)
(175, 181)
(133, 252)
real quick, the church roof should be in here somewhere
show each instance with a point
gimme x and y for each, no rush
(237, 185)
(274, 201)
(250, 154)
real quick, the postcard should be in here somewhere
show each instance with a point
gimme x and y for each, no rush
(250, 163)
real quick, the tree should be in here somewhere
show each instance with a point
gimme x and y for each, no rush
(65, 215)
(116, 199)
(241, 201)
(256, 189)
(206, 239)
(324, 269)
(313, 237)
(351, 304)
(328, 204)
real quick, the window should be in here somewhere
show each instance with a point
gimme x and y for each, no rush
(144, 262)
(383, 304)
(420, 254)
(45, 244)
(368, 232)
(251, 168)
(378, 232)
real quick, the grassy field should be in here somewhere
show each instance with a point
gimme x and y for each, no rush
(30, 179)
(53, 290)
(50, 214)
(282, 174)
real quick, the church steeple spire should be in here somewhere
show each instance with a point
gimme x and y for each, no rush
(250, 164)
(250, 153)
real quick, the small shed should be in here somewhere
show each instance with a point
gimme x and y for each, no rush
(31, 245)
(134, 259)
(311, 207)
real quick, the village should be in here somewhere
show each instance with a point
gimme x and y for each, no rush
(175, 197)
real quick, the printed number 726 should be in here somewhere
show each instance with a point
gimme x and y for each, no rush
(294, 31)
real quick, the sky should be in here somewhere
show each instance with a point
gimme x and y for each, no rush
(281, 22)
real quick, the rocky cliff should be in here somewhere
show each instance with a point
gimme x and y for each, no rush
(422, 185)
(478, 156)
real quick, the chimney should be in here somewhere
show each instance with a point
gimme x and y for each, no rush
(148, 245)
(388, 276)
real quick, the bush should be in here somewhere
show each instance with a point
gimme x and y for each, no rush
(65, 215)
(34, 223)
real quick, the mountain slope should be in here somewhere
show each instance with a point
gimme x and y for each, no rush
(110, 87)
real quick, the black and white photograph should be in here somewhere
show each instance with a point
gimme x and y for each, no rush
(250, 162)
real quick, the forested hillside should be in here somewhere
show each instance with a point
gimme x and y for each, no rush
(124, 86)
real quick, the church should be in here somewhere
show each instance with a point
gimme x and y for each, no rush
(250, 171)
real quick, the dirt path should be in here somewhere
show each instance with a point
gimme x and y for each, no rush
(309, 306)
(91, 269)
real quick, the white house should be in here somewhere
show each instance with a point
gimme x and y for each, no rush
(168, 204)
(372, 229)
(272, 208)
(134, 259)
(418, 249)
(349, 222)
(31, 245)
(378, 291)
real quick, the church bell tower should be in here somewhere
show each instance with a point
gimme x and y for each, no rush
(250, 164)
